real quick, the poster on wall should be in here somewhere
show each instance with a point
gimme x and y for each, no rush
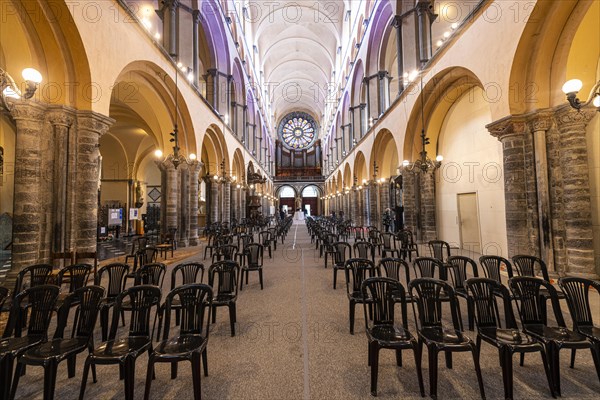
(134, 214)
(115, 216)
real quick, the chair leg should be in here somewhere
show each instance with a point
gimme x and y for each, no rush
(506, 357)
(15, 380)
(596, 357)
(470, 313)
(214, 314)
(555, 367)
(242, 281)
(352, 306)
(49, 380)
(417, 354)
(448, 359)
(374, 350)
(196, 376)
(149, 373)
(71, 364)
(86, 370)
(478, 371)
(548, 374)
(232, 318)
(522, 359)
(334, 277)
(260, 277)
(399, 357)
(433, 371)
(205, 362)
(173, 370)
(573, 352)
(129, 377)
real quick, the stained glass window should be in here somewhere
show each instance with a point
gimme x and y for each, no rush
(298, 131)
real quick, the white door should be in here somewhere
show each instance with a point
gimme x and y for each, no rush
(468, 217)
(307, 209)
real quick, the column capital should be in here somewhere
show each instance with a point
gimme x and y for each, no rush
(93, 121)
(196, 16)
(568, 118)
(61, 116)
(26, 110)
(540, 120)
(507, 126)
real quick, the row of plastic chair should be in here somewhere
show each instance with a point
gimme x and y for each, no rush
(379, 296)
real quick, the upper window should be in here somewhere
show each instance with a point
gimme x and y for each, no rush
(298, 130)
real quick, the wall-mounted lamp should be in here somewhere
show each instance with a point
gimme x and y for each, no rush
(9, 89)
(572, 87)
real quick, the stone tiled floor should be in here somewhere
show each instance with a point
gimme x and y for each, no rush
(293, 342)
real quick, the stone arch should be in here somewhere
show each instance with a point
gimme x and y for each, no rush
(360, 168)
(384, 152)
(541, 62)
(217, 37)
(42, 36)
(437, 96)
(214, 151)
(347, 177)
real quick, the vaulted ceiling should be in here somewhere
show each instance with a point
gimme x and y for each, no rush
(298, 43)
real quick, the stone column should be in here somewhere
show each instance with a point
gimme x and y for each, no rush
(397, 24)
(383, 89)
(428, 223)
(28, 209)
(183, 207)
(170, 195)
(226, 187)
(354, 206)
(194, 173)
(366, 206)
(170, 26)
(60, 184)
(409, 200)
(374, 203)
(519, 185)
(539, 124)
(196, 45)
(576, 190)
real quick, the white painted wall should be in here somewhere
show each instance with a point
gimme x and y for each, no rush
(472, 163)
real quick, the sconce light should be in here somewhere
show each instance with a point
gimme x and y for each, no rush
(9, 89)
(573, 86)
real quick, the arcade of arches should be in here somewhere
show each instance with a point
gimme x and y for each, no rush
(338, 111)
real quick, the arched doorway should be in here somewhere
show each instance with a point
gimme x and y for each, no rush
(287, 199)
(310, 200)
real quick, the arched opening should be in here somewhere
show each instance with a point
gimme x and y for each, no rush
(287, 199)
(310, 200)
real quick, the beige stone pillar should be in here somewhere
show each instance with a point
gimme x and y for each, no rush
(28, 212)
(576, 190)
(366, 206)
(374, 203)
(194, 173)
(427, 192)
(520, 190)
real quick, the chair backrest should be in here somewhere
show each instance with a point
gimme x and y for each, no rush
(428, 294)
(75, 275)
(577, 294)
(227, 251)
(529, 265)
(389, 240)
(394, 268)
(384, 293)
(254, 254)
(189, 273)
(359, 233)
(331, 238)
(439, 250)
(343, 251)
(149, 254)
(264, 237)
(117, 273)
(484, 293)
(88, 299)
(142, 299)
(87, 255)
(458, 272)
(531, 303)
(151, 274)
(492, 265)
(426, 267)
(226, 273)
(40, 301)
(195, 304)
(244, 240)
(32, 276)
(357, 270)
(364, 249)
